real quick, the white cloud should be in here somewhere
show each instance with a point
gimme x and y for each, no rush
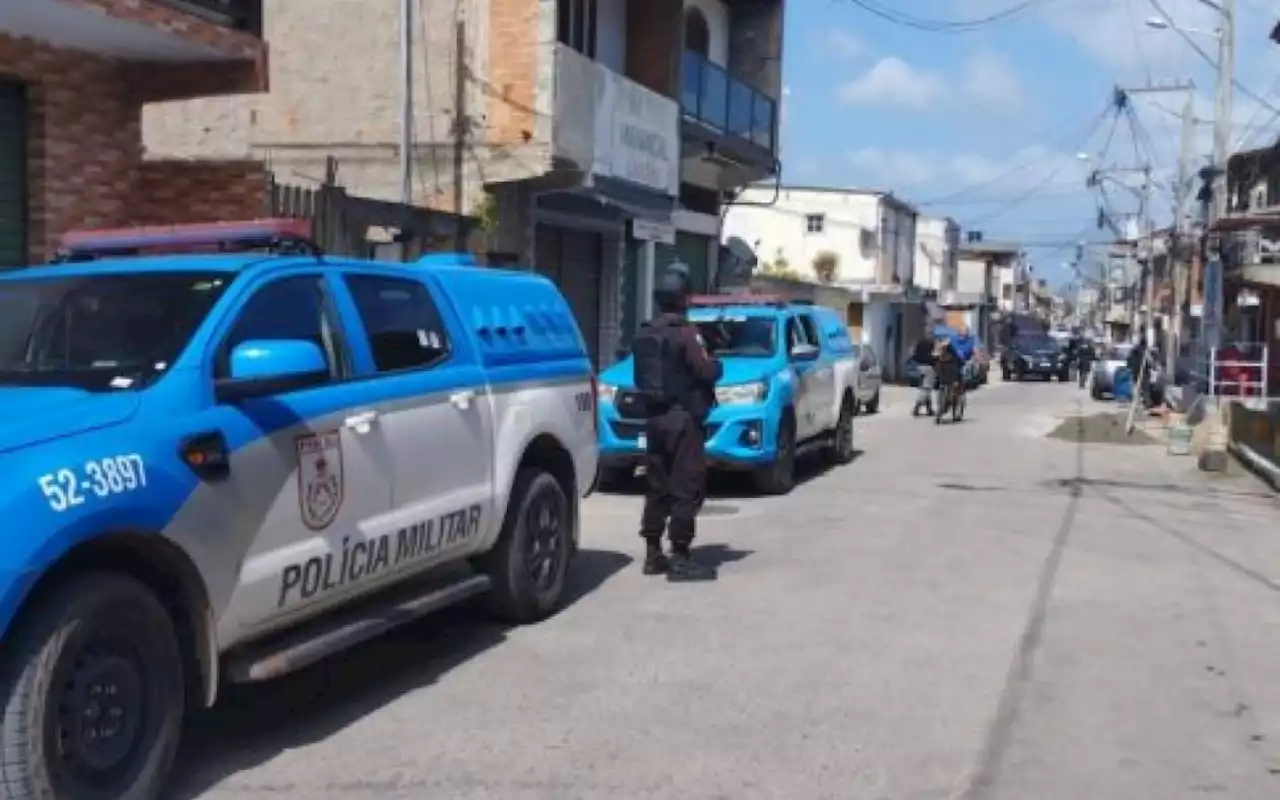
(991, 80)
(985, 78)
(893, 82)
(842, 44)
(922, 175)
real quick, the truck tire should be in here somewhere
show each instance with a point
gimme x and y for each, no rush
(779, 476)
(539, 523)
(95, 665)
(841, 449)
(873, 405)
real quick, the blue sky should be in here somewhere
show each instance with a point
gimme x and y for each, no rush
(990, 122)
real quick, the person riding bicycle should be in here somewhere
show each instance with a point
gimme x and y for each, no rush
(948, 364)
(964, 345)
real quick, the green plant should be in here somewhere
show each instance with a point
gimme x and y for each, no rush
(780, 267)
(486, 214)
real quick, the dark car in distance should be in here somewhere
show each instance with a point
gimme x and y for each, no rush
(1036, 356)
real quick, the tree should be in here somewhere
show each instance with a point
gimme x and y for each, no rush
(826, 265)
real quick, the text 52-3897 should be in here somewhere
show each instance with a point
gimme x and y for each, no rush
(72, 486)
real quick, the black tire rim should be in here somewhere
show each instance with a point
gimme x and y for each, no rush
(99, 717)
(545, 522)
(844, 434)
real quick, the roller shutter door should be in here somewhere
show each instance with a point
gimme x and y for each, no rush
(572, 259)
(13, 176)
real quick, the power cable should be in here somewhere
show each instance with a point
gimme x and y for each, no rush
(1090, 126)
(898, 17)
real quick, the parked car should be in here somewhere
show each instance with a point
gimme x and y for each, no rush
(226, 467)
(1102, 379)
(791, 383)
(1036, 355)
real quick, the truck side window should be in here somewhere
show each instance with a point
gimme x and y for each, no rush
(810, 330)
(294, 308)
(404, 326)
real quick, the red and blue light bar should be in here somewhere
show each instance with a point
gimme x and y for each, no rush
(714, 300)
(199, 237)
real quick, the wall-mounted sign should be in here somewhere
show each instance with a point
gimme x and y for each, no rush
(637, 135)
(645, 230)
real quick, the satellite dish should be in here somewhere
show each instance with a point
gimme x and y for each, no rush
(737, 260)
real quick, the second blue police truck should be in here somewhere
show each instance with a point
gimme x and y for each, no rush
(792, 381)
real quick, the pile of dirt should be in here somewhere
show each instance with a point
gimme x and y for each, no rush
(1104, 428)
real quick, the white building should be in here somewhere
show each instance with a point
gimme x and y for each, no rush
(872, 236)
(937, 253)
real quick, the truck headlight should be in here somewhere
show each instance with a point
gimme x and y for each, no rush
(741, 393)
(605, 392)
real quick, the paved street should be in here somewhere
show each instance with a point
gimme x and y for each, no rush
(969, 611)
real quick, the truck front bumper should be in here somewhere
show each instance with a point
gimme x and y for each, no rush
(737, 438)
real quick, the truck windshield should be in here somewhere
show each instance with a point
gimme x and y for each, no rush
(100, 332)
(750, 337)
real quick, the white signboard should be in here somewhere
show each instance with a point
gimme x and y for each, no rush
(1211, 313)
(644, 230)
(637, 135)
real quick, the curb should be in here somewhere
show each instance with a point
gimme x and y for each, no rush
(1256, 464)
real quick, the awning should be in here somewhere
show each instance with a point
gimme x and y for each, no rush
(635, 201)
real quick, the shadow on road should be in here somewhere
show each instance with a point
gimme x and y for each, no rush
(735, 485)
(717, 555)
(252, 724)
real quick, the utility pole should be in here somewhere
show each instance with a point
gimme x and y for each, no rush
(461, 128)
(1182, 230)
(406, 101)
(1212, 312)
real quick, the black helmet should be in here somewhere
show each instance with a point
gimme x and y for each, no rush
(671, 293)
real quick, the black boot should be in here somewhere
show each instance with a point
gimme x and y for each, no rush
(655, 561)
(684, 568)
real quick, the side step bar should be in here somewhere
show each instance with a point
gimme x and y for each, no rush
(346, 628)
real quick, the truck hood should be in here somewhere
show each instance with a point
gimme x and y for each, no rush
(736, 370)
(31, 415)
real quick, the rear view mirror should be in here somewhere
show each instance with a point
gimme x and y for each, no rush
(263, 368)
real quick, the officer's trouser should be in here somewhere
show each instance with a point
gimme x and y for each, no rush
(676, 473)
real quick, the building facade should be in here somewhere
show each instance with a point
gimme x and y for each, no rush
(75, 78)
(937, 253)
(977, 299)
(869, 235)
(599, 136)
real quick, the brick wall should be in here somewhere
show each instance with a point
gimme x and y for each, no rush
(172, 192)
(85, 161)
(513, 53)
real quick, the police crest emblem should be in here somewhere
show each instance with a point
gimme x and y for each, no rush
(320, 478)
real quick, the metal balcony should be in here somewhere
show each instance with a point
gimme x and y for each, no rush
(712, 97)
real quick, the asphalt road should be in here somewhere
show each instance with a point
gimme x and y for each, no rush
(968, 611)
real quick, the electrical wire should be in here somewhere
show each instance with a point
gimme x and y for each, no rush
(1091, 126)
(1008, 14)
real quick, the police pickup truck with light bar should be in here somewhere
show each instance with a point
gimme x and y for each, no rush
(791, 382)
(229, 465)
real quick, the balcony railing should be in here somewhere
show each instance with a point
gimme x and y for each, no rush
(240, 15)
(713, 97)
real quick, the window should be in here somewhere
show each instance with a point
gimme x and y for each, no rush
(810, 330)
(103, 332)
(815, 223)
(404, 326)
(576, 25)
(745, 336)
(289, 309)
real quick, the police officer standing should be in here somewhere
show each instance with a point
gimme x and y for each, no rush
(675, 376)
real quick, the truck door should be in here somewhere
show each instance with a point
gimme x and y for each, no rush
(306, 489)
(824, 377)
(441, 433)
(805, 379)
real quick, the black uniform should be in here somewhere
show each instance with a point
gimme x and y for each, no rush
(676, 376)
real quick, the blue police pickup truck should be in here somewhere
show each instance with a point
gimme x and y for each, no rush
(228, 466)
(791, 382)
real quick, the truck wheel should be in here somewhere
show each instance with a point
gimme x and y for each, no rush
(841, 450)
(530, 562)
(779, 477)
(93, 694)
(873, 405)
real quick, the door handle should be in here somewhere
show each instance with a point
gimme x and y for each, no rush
(360, 423)
(462, 400)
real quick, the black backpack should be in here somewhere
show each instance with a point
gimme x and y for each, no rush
(657, 386)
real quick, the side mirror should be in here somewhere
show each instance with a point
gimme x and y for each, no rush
(265, 368)
(804, 352)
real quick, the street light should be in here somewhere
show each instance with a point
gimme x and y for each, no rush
(1159, 24)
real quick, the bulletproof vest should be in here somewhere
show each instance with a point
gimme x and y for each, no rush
(663, 379)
